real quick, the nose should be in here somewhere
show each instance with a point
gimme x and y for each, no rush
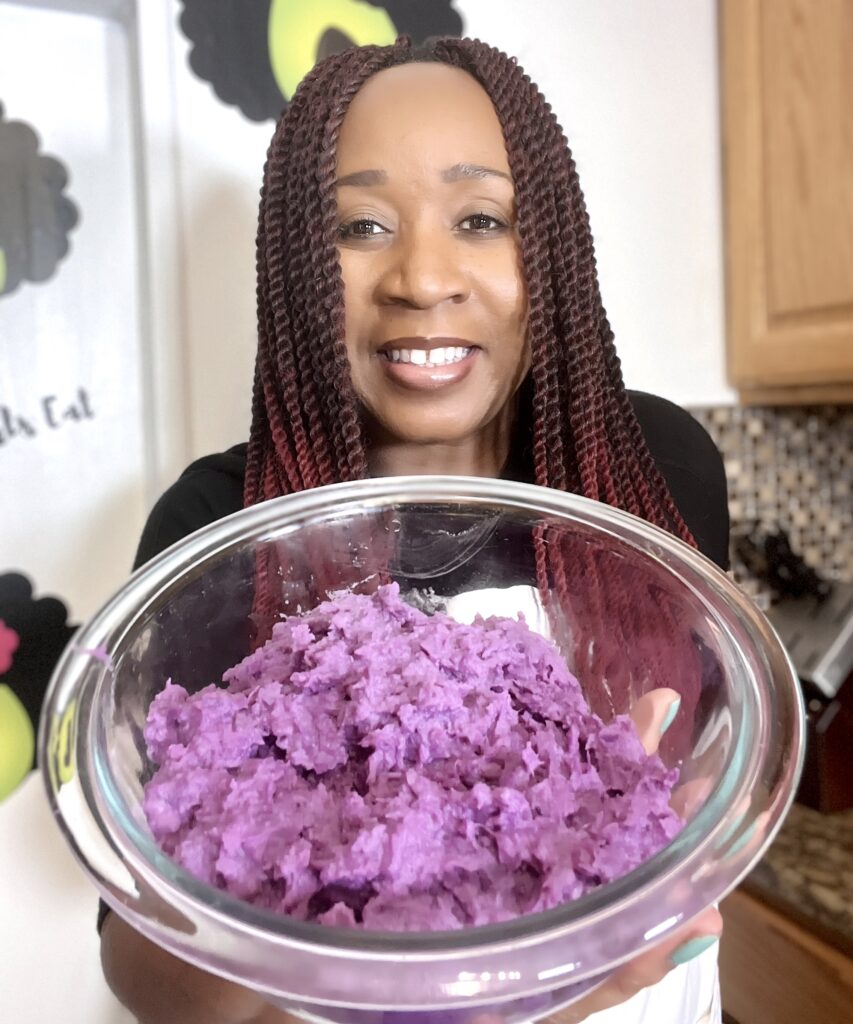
(423, 270)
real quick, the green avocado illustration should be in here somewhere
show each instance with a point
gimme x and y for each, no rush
(17, 741)
(34, 631)
(299, 36)
(255, 52)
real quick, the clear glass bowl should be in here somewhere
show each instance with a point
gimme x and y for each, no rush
(632, 609)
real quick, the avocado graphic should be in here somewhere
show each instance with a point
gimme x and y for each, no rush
(33, 634)
(255, 52)
(35, 215)
(17, 741)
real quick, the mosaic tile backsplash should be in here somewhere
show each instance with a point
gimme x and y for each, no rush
(790, 468)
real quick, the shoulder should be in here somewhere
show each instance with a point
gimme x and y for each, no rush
(692, 467)
(208, 489)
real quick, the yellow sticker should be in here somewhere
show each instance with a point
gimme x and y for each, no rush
(17, 741)
(295, 31)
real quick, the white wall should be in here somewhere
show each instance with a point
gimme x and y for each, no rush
(73, 490)
(220, 160)
(635, 87)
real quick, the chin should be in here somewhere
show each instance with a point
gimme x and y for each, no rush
(449, 430)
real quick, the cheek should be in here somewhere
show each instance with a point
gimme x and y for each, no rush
(509, 301)
(505, 276)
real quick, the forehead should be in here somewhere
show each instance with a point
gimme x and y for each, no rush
(418, 115)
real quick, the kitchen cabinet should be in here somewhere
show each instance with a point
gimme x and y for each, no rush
(773, 970)
(787, 91)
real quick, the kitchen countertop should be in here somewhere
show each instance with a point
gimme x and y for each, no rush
(807, 874)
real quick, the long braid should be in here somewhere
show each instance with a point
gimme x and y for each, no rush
(305, 429)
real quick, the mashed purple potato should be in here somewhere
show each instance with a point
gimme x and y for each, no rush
(374, 766)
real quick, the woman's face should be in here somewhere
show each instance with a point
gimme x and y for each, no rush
(434, 293)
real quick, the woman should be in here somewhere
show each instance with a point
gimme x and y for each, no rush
(428, 303)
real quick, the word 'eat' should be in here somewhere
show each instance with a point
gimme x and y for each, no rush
(53, 414)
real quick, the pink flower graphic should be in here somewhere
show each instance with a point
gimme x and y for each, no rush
(9, 641)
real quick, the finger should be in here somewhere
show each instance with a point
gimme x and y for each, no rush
(646, 969)
(653, 714)
(687, 799)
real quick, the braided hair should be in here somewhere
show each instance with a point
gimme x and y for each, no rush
(575, 426)
(578, 426)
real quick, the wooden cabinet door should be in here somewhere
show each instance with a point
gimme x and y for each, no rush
(774, 972)
(787, 83)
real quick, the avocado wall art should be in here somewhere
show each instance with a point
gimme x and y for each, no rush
(34, 631)
(35, 214)
(255, 52)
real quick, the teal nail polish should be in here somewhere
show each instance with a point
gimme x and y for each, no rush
(690, 950)
(672, 711)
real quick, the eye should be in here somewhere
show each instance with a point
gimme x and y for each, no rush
(481, 224)
(362, 227)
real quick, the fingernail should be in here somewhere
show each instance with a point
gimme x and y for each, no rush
(693, 948)
(670, 715)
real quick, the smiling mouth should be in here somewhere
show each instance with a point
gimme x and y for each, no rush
(427, 364)
(429, 358)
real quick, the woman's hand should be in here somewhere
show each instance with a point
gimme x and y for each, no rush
(646, 969)
(652, 715)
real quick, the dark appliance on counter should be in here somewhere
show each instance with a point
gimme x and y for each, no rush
(814, 620)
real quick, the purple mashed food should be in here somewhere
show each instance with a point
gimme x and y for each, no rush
(374, 766)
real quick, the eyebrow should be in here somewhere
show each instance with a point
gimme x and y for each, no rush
(363, 179)
(458, 172)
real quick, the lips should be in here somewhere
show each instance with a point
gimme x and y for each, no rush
(427, 364)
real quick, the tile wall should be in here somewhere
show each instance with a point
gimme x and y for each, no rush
(790, 467)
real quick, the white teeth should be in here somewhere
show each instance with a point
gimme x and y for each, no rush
(421, 357)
